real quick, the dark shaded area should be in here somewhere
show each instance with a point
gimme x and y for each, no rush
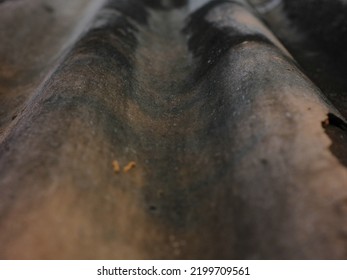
(138, 10)
(324, 20)
(336, 129)
(158, 4)
(134, 9)
(48, 8)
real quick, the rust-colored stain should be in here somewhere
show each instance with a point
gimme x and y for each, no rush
(131, 165)
(116, 166)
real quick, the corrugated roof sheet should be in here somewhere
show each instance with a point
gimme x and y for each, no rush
(150, 129)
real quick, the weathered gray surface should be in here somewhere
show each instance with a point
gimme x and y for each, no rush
(234, 156)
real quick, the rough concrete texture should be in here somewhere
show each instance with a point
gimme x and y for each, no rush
(143, 129)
